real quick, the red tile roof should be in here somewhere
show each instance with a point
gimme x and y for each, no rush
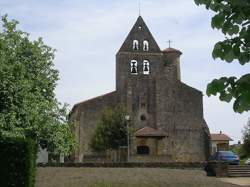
(220, 137)
(149, 132)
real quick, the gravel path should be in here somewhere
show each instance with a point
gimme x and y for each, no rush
(125, 177)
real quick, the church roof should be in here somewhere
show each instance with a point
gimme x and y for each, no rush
(149, 132)
(96, 100)
(141, 33)
(220, 137)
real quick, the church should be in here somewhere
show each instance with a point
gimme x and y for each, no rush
(167, 114)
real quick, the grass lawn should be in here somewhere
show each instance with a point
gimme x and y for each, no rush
(125, 177)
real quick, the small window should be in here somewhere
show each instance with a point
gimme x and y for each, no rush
(135, 45)
(143, 118)
(145, 67)
(145, 45)
(143, 150)
(133, 67)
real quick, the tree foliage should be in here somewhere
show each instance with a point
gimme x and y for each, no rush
(111, 130)
(28, 107)
(232, 17)
(246, 140)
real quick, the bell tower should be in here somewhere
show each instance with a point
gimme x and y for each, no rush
(138, 62)
(138, 55)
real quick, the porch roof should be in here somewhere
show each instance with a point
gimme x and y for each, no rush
(220, 137)
(149, 132)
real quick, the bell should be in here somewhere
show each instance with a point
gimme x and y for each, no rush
(146, 68)
(134, 69)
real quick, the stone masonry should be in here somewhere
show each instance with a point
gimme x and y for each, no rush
(166, 113)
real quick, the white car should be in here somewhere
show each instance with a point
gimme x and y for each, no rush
(247, 161)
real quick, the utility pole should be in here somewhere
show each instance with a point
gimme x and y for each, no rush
(127, 117)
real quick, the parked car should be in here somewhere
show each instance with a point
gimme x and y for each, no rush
(247, 162)
(226, 156)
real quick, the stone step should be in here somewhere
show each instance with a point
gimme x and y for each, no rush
(238, 170)
(239, 166)
(239, 174)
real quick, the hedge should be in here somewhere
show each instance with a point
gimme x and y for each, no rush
(177, 165)
(17, 162)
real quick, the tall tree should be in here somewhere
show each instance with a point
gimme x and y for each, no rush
(111, 131)
(232, 17)
(28, 107)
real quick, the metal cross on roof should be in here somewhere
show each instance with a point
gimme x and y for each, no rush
(169, 43)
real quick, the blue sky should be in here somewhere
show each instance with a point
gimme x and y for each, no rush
(87, 35)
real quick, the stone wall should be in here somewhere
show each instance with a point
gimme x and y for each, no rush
(85, 117)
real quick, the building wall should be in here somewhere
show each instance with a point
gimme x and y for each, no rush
(158, 100)
(220, 146)
(85, 117)
(180, 114)
(166, 102)
(169, 105)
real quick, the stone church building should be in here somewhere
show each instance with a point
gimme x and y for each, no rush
(167, 114)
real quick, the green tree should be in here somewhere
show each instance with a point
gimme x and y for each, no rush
(245, 149)
(28, 107)
(111, 130)
(232, 17)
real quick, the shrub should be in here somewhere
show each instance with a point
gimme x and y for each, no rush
(17, 162)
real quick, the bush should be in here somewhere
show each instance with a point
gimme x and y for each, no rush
(17, 162)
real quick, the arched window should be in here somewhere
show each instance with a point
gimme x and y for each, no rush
(146, 67)
(145, 45)
(143, 150)
(133, 67)
(135, 45)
